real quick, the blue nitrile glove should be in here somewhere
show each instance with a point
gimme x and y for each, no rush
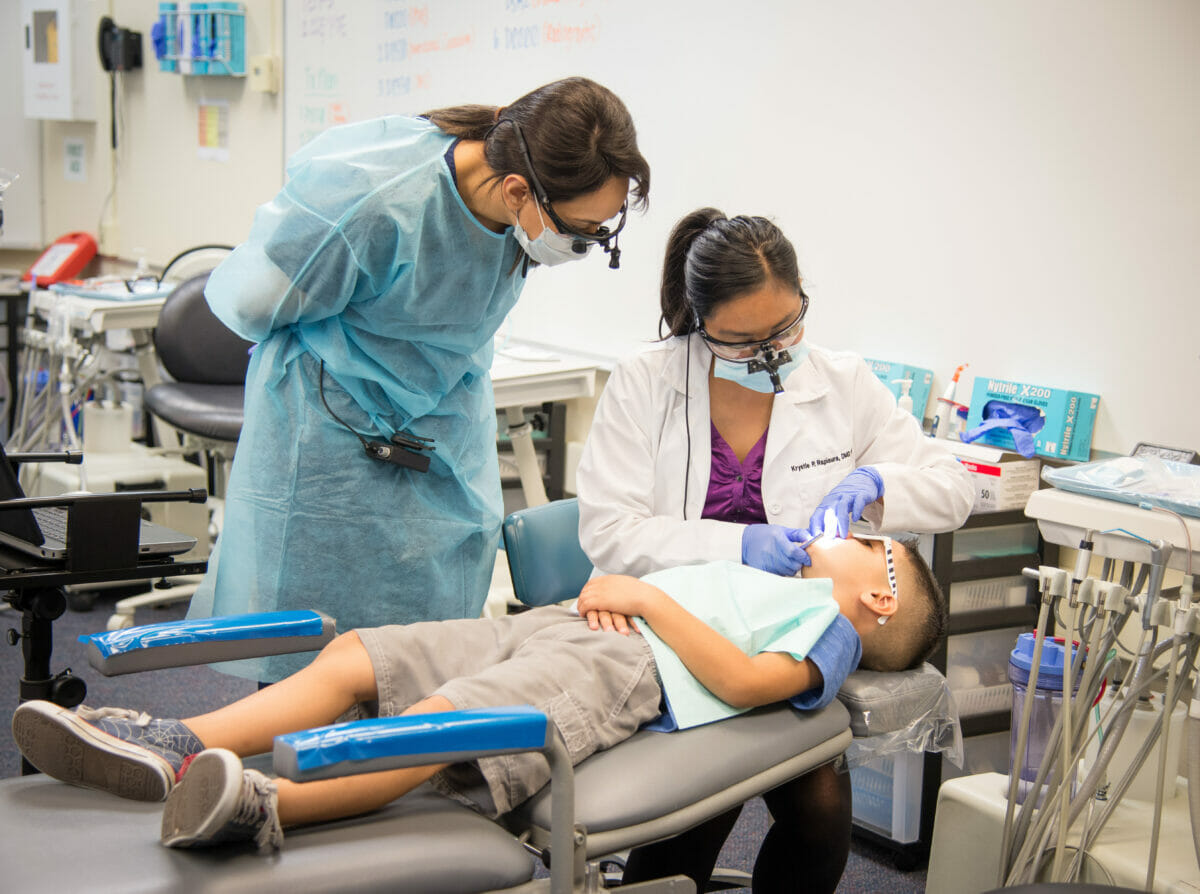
(158, 37)
(774, 548)
(848, 499)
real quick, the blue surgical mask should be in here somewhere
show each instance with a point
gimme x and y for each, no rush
(549, 248)
(738, 371)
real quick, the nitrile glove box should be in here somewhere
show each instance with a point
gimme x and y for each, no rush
(891, 374)
(1070, 416)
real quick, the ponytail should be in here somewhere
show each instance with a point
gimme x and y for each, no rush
(468, 122)
(678, 316)
(712, 259)
(579, 135)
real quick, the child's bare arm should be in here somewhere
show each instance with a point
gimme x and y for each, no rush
(738, 679)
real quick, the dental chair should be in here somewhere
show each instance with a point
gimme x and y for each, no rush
(648, 788)
(206, 364)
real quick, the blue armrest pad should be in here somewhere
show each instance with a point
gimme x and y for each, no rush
(385, 743)
(205, 640)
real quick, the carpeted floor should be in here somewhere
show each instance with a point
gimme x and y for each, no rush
(189, 691)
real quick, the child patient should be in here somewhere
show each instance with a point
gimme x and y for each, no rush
(598, 687)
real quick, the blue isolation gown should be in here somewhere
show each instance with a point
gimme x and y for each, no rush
(368, 260)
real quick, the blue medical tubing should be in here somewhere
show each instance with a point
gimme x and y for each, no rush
(262, 625)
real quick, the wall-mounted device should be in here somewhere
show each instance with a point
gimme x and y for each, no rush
(58, 68)
(120, 48)
(64, 259)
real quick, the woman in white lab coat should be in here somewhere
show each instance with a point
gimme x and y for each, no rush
(734, 438)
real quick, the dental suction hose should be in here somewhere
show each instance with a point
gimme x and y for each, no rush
(1052, 582)
(1164, 739)
(1193, 767)
(1113, 601)
(1193, 731)
(1071, 666)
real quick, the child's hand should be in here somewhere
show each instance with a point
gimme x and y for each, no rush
(617, 596)
(612, 622)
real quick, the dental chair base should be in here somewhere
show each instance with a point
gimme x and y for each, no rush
(970, 819)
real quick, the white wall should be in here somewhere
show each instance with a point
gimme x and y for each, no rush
(1013, 183)
(20, 142)
(164, 197)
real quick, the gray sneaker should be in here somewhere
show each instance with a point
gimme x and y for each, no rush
(218, 802)
(169, 739)
(114, 750)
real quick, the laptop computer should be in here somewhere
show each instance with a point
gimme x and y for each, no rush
(42, 531)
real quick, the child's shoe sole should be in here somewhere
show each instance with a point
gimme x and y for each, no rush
(66, 748)
(204, 800)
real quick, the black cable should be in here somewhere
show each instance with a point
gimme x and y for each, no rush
(329, 409)
(112, 106)
(687, 421)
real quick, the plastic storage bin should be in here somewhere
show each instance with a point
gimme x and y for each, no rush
(992, 592)
(981, 754)
(977, 670)
(886, 794)
(999, 540)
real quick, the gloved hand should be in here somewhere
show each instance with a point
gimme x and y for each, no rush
(848, 499)
(774, 548)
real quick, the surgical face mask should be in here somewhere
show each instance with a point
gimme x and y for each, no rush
(754, 372)
(549, 248)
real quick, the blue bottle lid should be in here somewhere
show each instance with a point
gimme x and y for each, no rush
(1050, 668)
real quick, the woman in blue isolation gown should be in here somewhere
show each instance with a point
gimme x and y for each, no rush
(373, 284)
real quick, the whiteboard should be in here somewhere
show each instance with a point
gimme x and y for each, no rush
(1009, 183)
(20, 142)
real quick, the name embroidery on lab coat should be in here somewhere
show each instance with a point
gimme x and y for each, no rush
(824, 461)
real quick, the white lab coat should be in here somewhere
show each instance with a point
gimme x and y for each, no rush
(833, 416)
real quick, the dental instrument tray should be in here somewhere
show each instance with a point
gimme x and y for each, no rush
(1119, 530)
(1134, 479)
(111, 288)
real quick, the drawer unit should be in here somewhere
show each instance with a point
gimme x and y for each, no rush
(996, 540)
(989, 593)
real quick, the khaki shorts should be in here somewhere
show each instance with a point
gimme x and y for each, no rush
(598, 688)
